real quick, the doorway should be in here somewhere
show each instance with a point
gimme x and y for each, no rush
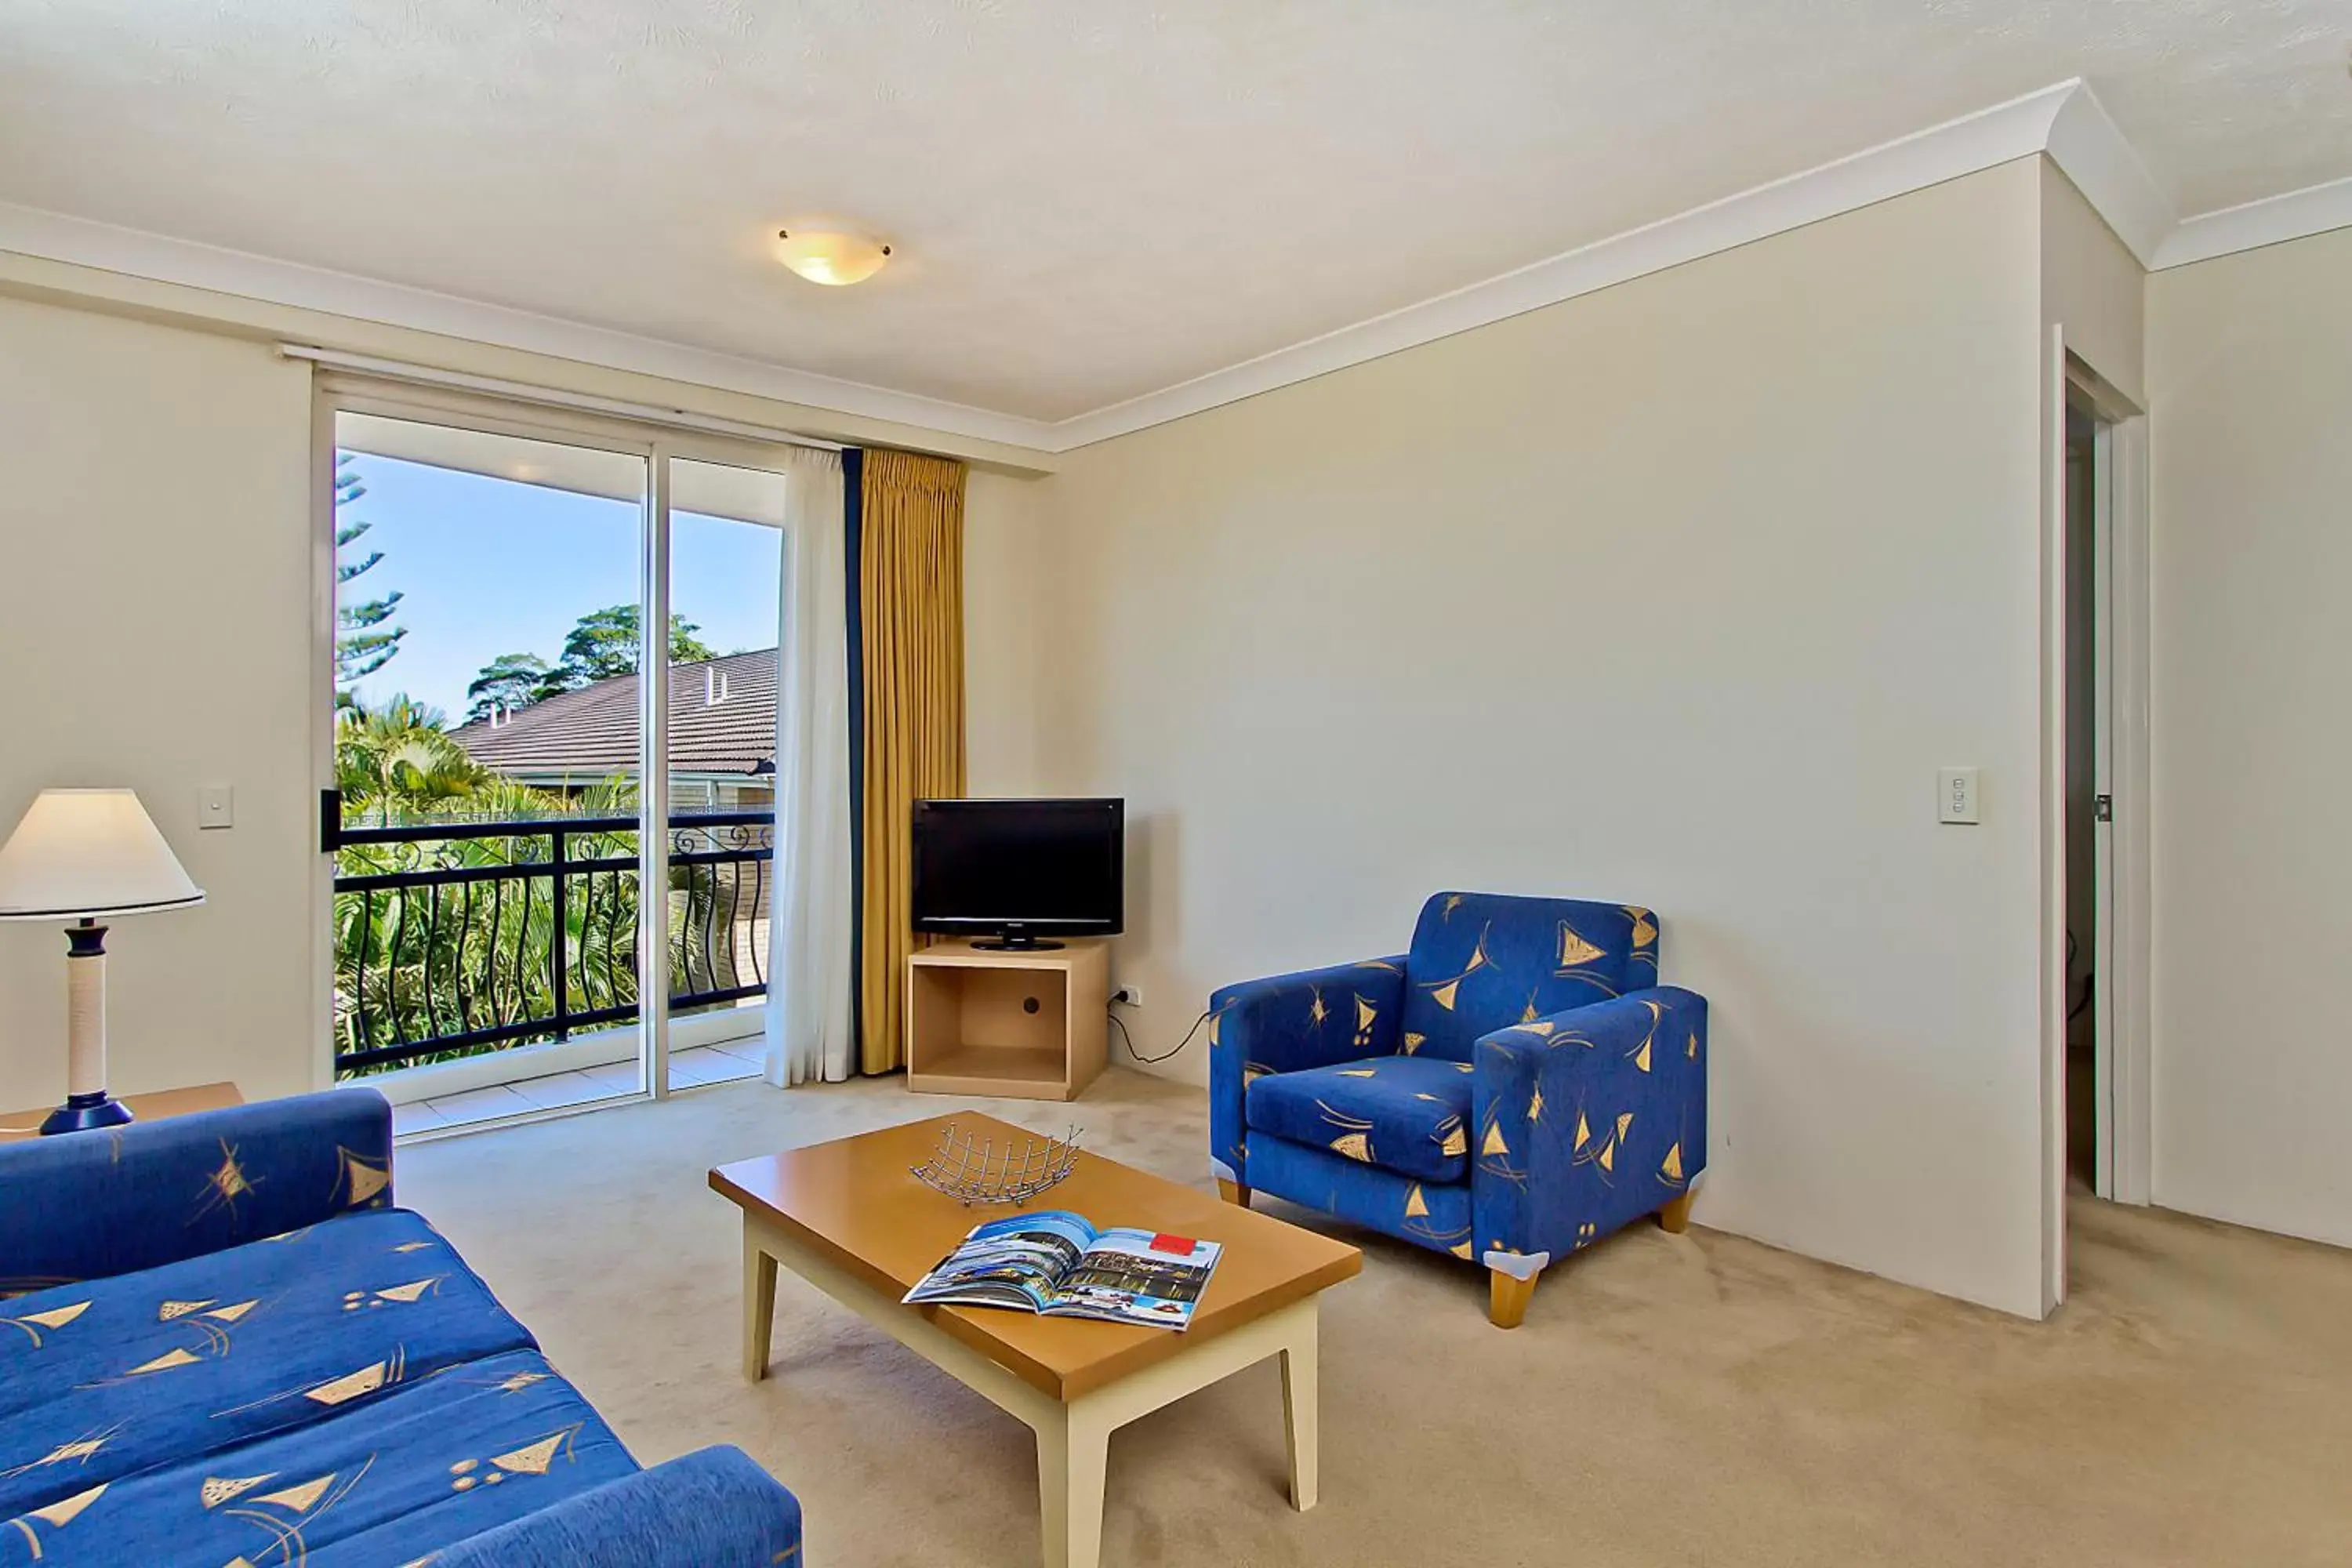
(2099, 1122)
(551, 793)
(2087, 802)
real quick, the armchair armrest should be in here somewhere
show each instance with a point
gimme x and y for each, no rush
(1584, 1120)
(713, 1508)
(1314, 1019)
(85, 1205)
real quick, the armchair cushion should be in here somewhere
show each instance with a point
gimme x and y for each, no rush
(1406, 1114)
(1318, 1017)
(101, 1380)
(1481, 962)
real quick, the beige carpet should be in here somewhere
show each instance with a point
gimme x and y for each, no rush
(1688, 1401)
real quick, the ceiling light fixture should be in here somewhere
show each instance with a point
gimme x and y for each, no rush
(833, 259)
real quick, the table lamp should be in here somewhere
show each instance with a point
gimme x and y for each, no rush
(81, 855)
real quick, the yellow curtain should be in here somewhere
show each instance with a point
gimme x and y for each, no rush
(911, 599)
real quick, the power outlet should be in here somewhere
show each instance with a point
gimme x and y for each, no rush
(1130, 994)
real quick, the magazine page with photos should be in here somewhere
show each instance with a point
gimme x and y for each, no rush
(1137, 1277)
(1056, 1264)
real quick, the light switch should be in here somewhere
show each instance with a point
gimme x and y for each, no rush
(1956, 795)
(216, 807)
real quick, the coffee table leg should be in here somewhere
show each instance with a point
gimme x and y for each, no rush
(1299, 1414)
(1072, 1448)
(758, 1308)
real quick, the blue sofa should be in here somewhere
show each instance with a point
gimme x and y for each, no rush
(1511, 1089)
(220, 1343)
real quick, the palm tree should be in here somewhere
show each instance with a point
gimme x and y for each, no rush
(397, 760)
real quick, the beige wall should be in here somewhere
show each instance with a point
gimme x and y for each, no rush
(1679, 593)
(2250, 368)
(155, 631)
(2092, 285)
(1003, 570)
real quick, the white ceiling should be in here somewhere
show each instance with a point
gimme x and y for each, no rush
(1091, 202)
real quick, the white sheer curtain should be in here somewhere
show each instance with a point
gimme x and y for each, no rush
(809, 953)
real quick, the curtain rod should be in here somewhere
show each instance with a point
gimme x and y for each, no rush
(550, 397)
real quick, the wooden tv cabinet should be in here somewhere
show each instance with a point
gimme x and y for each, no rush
(1032, 1026)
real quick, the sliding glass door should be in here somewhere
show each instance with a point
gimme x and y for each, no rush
(556, 670)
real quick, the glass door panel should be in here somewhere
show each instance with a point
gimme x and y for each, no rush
(487, 762)
(725, 569)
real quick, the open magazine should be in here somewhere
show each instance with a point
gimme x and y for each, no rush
(1055, 1263)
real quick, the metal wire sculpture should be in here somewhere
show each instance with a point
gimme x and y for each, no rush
(984, 1173)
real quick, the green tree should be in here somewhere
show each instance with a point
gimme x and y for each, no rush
(511, 681)
(364, 643)
(396, 761)
(604, 644)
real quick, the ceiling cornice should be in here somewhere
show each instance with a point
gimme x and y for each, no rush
(55, 236)
(2297, 214)
(2064, 122)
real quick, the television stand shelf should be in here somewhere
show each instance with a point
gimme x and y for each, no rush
(1030, 1025)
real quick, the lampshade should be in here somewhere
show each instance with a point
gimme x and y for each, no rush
(83, 853)
(830, 258)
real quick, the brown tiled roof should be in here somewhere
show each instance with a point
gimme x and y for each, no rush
(592, 734)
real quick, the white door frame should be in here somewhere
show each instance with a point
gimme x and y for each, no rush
(2121, 943)
(462, 409)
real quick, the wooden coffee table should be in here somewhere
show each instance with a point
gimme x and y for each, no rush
(850, 1218)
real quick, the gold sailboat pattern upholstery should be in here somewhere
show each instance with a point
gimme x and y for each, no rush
(1670, 1171)
(1366, 1016)
(1357, 1072)
(288, 1511)
(72, 1452)
(1602, 1151)
(1640, 1054)
(1575, 953)
(56, 1515)
(226, 1184)
(1495, 1150)
(412, 1247)
(1445, 993)
(359, 1179)
(209, 1320)
(51, 1319)
(335, 1391)
(1645, 926)
(1413, 1041)
(394, 1295)
(1415, 1224)
(531, 1459)
(1355, 1140)
(1452, 1137)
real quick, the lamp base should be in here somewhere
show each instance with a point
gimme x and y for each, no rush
(84, 1112)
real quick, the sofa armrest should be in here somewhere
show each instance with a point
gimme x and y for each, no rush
(1584, 1120)
(86, 1206)
(1311, 1019)
(713, 1508)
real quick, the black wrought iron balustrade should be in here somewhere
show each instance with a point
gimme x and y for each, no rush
(457, 938)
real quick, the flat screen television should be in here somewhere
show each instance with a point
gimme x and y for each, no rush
(1015, 871)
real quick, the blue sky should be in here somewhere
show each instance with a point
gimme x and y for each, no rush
(491, 566)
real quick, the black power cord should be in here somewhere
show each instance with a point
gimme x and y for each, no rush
(1148, 1061)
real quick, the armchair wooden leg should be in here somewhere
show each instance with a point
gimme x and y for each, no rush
(1674, 1219)
(1507, 1298)
(1233, 1192)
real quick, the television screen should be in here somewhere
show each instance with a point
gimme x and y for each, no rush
(1020, 867)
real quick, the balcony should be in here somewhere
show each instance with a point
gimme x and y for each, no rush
(457, 940)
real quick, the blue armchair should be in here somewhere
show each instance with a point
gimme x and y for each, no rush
(1512, 1090)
